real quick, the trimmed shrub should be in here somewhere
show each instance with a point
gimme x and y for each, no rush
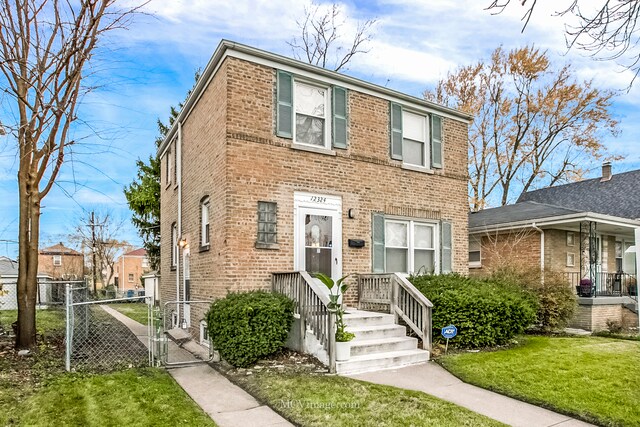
(556, 301)
(247, 326)
(486, 312)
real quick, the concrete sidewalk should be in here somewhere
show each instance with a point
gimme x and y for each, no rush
(433, 379)
(227, 404)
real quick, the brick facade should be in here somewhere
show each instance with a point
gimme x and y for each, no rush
(518, 249)
(230, 153)
(60, 262)
(129, 268)
(596, 317)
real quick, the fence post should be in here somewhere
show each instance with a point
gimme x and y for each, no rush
(332, 341)
(68, 329)
(301, 310)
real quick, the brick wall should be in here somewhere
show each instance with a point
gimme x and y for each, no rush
(595, 317)
(519, 249)
(126, 266)
(71, 266)
(239, 161)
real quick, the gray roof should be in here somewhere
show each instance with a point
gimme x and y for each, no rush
(524, 211)
(8, 267)
(620, 196)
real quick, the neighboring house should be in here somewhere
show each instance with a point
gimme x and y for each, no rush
(129, 269)
(583, 230)
(61, 263)
(47, 292)
(275, 165)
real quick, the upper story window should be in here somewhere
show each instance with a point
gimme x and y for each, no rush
(416, 139)
(311, 124)
(475, 254)
(169, 168)
(130, 277)
(204, 222)
(174, 245)
(312, 114)
(145, 263)
(57, 260)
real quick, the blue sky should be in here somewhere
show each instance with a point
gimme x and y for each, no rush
(150, 67)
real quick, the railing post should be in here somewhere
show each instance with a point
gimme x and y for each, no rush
(68, 329)
(332, 340)
(394, 297)
(302, 327)
(359, 292)
(426, 328)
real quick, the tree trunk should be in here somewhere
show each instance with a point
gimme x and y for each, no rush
(28, 237)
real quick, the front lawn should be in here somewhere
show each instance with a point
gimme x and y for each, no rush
(148, 397)
(321, 400)
(594, 378)
(138, 311)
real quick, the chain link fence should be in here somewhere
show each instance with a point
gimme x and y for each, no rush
(50, 293)
(101, 335)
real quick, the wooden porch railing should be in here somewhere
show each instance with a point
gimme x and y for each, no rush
(312, 305)
(392, 292)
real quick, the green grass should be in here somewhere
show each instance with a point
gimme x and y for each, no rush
(47, 321)
(594, 378)
(145, 397)
(318, 400)
(137, 311)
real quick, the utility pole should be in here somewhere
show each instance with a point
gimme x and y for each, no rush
(93, 251)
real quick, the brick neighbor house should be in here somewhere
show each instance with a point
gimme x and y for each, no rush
(275, 165)
(583, 230)
(129, 269)
(60, 262)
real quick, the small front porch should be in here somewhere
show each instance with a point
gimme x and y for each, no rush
(603, 285)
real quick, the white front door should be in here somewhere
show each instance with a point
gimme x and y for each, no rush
(318, 234)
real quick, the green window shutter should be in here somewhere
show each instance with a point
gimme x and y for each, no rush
(446, 244)
(284, 113)
(436, 142)
(396, 131)
(377, 252)
(339, 117)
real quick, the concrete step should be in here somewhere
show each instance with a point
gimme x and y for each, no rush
(378, 361)
(358, 318)
(384, 345)
(377, 332)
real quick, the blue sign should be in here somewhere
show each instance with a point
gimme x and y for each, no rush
(449, 331)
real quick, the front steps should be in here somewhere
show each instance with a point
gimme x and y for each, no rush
(379, 344)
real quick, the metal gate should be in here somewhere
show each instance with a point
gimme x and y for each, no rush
(177, 339)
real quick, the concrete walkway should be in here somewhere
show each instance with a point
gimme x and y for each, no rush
(432, 379)
(227, 404)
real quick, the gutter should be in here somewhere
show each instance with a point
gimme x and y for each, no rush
(225, 45)
(561, 219)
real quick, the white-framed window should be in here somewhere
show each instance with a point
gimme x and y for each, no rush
(204, 222)
(169, 167)
(311, 105)
(57, 260)
(145, 262)
(174, 244)
(410, 246)
(618, 249)
(475, 252)
(204, 333)
(130, 277)
(571, 238)
(571, 259)
(415, 151)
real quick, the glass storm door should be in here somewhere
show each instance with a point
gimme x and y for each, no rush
(318, 235)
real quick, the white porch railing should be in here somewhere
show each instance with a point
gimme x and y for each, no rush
(312, 305)
(392, 292)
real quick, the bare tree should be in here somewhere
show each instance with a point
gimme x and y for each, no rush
(45, 47)
(320, 42)
(97, 233)
(607, 29)
(534, 124)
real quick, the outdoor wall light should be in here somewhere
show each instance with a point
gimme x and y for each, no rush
(182, 242)
(351, 213)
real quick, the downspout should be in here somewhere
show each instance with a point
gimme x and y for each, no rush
(535, 227)
(179, 224)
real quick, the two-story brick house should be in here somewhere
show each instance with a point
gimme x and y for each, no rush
(129, 269)
(277, 165)
(61, 262)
